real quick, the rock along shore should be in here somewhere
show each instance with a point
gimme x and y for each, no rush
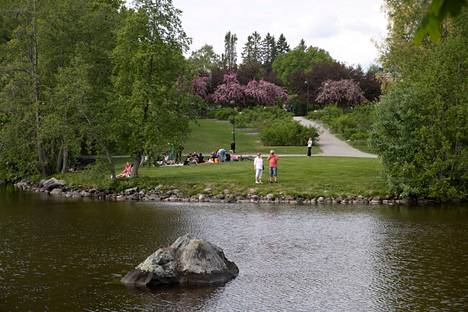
(57, 188)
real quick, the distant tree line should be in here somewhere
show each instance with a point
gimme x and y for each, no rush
(308, 74)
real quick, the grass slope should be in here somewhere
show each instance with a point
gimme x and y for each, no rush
(208, 135)
(311, 177)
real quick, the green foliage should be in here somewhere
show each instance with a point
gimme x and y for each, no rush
(257, 117)
(327, 114)
(421, 131)
(437, 11)
(298, 59)
(55, 70)
(204, 60)
(223, 113)
(149, 71)
(286, 132)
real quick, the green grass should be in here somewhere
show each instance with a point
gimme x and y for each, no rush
(309, 177)
(208, 135)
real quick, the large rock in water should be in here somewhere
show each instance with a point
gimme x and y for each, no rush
(188, 261)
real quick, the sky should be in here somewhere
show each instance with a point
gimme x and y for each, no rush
(347, 29)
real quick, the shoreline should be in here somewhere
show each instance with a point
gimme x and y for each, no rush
(159, 194)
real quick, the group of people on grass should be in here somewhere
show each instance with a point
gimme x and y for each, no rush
(272, 167)
(222, 156)
(214, 158)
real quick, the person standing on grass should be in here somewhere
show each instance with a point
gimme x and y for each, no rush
(273, 166)
(309, 147)
(258, 167)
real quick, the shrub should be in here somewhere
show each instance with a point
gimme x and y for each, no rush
(287, 133)
(326, 114)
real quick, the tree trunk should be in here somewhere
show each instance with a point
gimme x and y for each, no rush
(33, 59)
(136, 164)
(65, 159)
(59, 160)
(103, 147)
(109, 162)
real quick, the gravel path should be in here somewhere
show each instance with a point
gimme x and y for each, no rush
(330, 144)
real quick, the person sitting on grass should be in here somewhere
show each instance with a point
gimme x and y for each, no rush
(126, 171)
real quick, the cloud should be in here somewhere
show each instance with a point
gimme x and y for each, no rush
(344, 28)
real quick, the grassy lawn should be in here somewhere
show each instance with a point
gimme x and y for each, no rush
(208, 135)
(311, 177)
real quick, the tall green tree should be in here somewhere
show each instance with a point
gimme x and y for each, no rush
(42, 40)
(204, 59)
(252, 51)
(148, 73)
(297, 60)
(268, 52)
(421, 131)
(229, 57)
(282, 45)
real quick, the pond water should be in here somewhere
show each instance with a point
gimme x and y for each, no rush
(68, 255)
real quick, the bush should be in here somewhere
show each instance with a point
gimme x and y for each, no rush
(287, 133)
(258, 116)
(326, 114)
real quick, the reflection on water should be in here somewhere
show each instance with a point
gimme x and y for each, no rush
(69, 255)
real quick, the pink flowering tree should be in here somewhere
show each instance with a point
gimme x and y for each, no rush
(230, 91)
(345, 93)
(264, 92)
(200, 86)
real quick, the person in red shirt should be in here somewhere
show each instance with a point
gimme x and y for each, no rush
(273, 166)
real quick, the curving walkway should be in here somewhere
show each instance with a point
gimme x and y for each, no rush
(330, 144)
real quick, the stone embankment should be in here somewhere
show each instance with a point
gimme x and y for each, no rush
(57, 188)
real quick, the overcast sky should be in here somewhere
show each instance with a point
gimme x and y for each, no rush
(347, 29)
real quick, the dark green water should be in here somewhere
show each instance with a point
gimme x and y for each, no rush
(65, 255)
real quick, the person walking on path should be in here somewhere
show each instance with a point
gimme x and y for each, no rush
(309, 147)
(273, 166)
(258, 167)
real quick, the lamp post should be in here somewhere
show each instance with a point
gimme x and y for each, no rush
(233, 121)
(307, 99)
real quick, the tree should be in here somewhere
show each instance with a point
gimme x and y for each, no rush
(229, 57)
(148, 68)
(298, 60)
(421, 132)
(41, 43)
(302, 45)
(265, 93)
(249, 70)
(282, 45)
(252, 51)
(204, 60)
(200, 86)
(230, 92)
(345, 93)
(268, 52)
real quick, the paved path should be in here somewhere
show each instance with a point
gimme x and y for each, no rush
(330, 144)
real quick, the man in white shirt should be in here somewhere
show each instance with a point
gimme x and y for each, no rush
(258, 167)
